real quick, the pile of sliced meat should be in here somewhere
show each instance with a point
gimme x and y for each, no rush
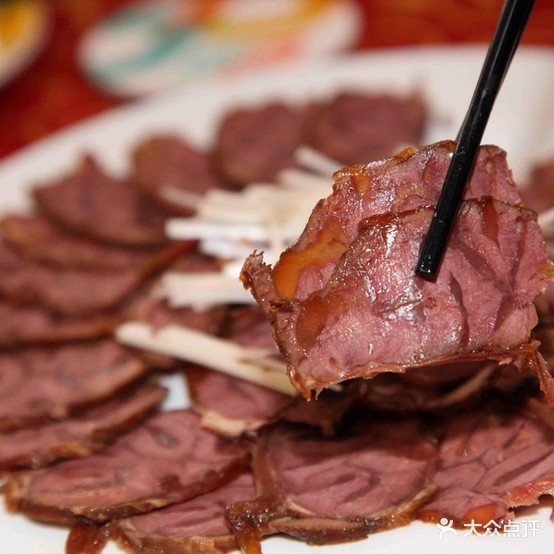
(416, 399)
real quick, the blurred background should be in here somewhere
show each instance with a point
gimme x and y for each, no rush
(62, 61)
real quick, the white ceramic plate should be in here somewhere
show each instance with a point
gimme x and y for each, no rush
(521, 123)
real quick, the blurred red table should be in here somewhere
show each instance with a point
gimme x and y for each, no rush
(54, 93)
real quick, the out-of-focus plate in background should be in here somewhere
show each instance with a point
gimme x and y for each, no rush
(147, 47)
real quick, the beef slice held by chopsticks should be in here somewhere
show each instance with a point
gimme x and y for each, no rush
(345, 300)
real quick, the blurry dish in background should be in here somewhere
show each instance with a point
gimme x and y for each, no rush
(23, 32)
(152, 46)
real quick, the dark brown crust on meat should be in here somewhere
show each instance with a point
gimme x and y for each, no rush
(86, 537)
(266, 515)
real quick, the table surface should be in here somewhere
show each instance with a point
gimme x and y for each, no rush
(53, 93)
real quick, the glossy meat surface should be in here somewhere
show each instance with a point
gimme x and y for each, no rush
(375, 314)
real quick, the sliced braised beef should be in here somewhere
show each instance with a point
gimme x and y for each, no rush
(78, 436)
(410, 180)
(229, 405)
(254, 144)
(91, 203)
(75, 291)
(232, 406)
(40, 239)
(492, 460)
(168, 162)
(168, 459)
(249, 327)
(360, 127)
(38, 384)
(27, 325)
(375, 314)
(197, 525)
(321, 490)
(159, 314)
(326, 412)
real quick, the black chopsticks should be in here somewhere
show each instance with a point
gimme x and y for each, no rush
(509, 29)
